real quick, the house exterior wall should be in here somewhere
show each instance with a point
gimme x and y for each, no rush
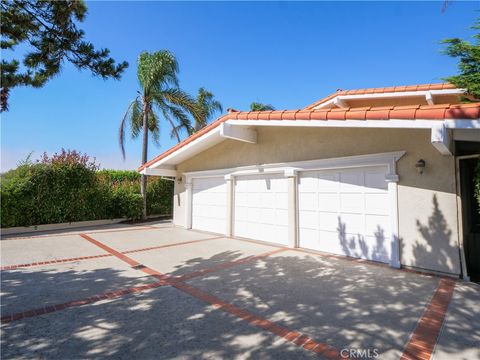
(426, 203)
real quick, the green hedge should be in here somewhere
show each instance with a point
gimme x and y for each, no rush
(62, 189)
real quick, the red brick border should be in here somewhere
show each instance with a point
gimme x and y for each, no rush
(49, 262)
(170, 245)
(74, 303)
(424, 338)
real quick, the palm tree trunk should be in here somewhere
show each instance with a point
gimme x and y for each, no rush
(143, 184)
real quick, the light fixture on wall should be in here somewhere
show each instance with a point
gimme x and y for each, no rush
(179, 180)
(420, 166)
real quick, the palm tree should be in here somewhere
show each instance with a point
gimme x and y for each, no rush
(206, 107)
(159, 95)
(256, 106)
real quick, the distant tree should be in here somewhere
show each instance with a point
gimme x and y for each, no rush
(469, 62)
(48, 30)
(159, 95)
(256, 106)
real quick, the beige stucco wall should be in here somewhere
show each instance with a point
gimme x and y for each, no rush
(427, 202)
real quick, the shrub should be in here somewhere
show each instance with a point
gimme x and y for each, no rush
(159, 196)
(125, 203)
(68, 187)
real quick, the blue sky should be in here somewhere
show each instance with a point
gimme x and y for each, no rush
(288, 54)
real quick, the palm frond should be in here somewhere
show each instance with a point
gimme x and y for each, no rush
(121, 132)
(155, 70)
(136, 119)
(207, 107)
(175, 128)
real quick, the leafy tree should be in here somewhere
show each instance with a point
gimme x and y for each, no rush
(48, 30)
(159, 96)
(469, 62)
(256, 106)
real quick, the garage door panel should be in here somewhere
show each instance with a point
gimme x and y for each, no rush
(351, 182)
(308, 200)
(327, 182)
(350, 214)
(263, 214)
(352, 223)
(267, 216)
(328, 202)
(308, 219)
(377, 224)
(209, 204)
(281, 216)
(268, 200)
(377, 203)
(351, 202)
(253, 214)
(375, 181)
(253, 199)
(309, 184)
(327, 220)
(281, 200)
(279, 185)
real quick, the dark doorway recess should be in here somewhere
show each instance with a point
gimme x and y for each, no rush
(470, 215)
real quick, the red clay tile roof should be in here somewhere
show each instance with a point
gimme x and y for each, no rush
(389, 89)
(409, 112)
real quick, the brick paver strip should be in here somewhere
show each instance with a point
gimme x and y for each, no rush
(424, 338)
(85, 301)
(49, 262)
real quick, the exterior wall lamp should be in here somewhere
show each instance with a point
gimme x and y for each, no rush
(420, 166)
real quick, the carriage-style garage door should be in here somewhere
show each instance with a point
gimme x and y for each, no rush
(209, 204)
(261, 211)
(345, 212)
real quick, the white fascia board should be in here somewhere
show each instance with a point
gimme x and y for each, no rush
(381, 124)
(159, 172)
(462, 124)
(234, 132)
(423, 93)
(198, 145)
(390, 124)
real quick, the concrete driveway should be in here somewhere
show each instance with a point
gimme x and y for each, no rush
(157, 291)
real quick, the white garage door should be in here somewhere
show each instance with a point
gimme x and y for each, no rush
(261, 211)
(209, 205)
(345, 212)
